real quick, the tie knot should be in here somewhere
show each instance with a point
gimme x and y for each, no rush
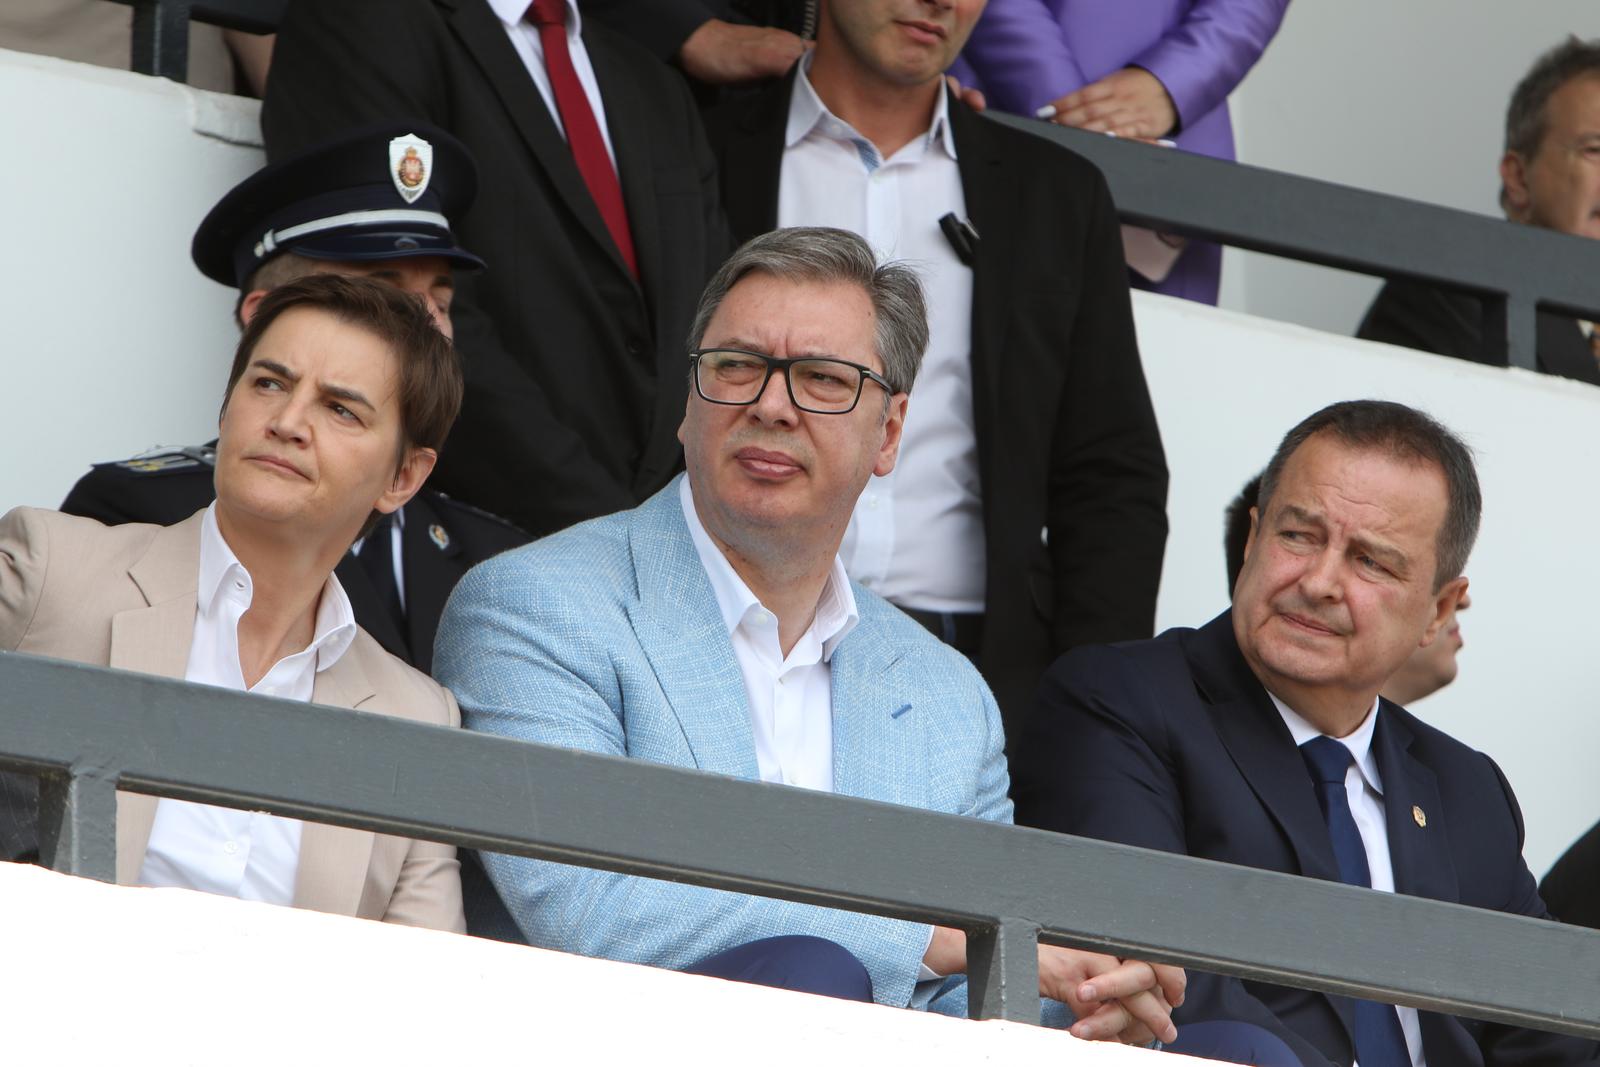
(548, 12)
(1327, 759)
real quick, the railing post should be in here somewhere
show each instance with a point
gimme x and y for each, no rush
(78, 823)
(1511, 329)
(161, 39)
(1003, 972)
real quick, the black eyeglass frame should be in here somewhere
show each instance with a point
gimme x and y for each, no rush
(772, 364)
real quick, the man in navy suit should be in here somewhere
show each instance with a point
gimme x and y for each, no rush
(1260, 738)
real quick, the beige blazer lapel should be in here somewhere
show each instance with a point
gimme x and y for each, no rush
(155, 639)
(334, 859)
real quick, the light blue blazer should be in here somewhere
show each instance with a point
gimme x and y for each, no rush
(607, 637)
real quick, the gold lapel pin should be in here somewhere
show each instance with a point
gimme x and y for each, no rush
(1418, 814)
(439, 536)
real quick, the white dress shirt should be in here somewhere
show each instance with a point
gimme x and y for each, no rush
(790, 697)
(1364, 788)
(244, 854)
(530, 49)
(916, 536)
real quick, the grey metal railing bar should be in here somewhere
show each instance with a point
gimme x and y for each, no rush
(1000, 883)
(1514, 268)
(161, 29)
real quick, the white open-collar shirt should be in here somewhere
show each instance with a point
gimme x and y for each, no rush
(246, 854)
(916, 535)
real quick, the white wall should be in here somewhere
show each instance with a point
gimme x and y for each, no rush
(113, 342)
(1228, 386)
(1406, 98)
(102, 974)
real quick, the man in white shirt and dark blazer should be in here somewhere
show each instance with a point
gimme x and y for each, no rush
(341, 391)
(1028, 514)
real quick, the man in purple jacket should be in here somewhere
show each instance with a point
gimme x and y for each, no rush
(1156, 69)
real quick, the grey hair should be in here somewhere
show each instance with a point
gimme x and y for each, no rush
(1526, 120)
(1410, 436)
(827, 255)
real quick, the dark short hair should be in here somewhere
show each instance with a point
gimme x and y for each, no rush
(1410, 436)
(430, 371)
(1526, 120)
(827, 255)
(1236, 529)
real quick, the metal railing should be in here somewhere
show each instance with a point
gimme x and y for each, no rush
(161, 29)
(1514, 269)
(88, 731)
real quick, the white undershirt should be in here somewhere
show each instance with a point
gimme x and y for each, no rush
(916, 536)
(530, 49)
(1364, 788)
(790, 697)
(244, 854)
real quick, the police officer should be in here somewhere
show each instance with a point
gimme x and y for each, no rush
(375, 202)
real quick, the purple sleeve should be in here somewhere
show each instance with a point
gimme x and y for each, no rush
(1203, 57)
(1021, 56)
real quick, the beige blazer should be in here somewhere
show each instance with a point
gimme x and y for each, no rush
(125, 597)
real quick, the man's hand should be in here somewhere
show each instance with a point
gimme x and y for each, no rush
(1130, 102)
(722, 53)
(1127, 1001)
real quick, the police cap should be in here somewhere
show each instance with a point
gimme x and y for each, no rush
(385, 191)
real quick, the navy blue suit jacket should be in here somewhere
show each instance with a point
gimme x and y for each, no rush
(1173, 744)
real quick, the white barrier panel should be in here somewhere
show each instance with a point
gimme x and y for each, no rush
(1228, 386)
(112, 340)
(101, 974)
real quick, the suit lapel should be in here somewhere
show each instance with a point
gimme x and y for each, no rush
(333, 859)
(1418, 844)
(431, 571)
(630, 140)
(681, 631)
(1564, 350)
(752, 160)
(485, 39)
(155, 640)
(879, 747)
(990, 190)
(1260, 745)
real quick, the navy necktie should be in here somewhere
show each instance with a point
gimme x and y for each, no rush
(1379, 1039)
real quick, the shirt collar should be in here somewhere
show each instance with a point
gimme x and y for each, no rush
(836, 608)
(1358, 742)
(336, 622)
(807, 112)
(512, 12)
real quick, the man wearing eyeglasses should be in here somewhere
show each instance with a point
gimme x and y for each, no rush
(713, 627)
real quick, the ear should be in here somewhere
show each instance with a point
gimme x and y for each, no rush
(1250, 538)
(414, 470)
(894, 424)
(1444, 605)
(1514, 180)
(247, 306)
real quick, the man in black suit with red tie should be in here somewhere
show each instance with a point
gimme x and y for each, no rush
(597, 214)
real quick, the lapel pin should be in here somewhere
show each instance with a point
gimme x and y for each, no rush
(439, 536)
(1418, 814)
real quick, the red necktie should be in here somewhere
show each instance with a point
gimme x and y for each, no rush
(583, 133)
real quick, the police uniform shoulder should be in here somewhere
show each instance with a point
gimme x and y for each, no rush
(449, 508)
(163, 461)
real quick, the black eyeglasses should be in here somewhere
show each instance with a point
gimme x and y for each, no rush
(816, 384)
